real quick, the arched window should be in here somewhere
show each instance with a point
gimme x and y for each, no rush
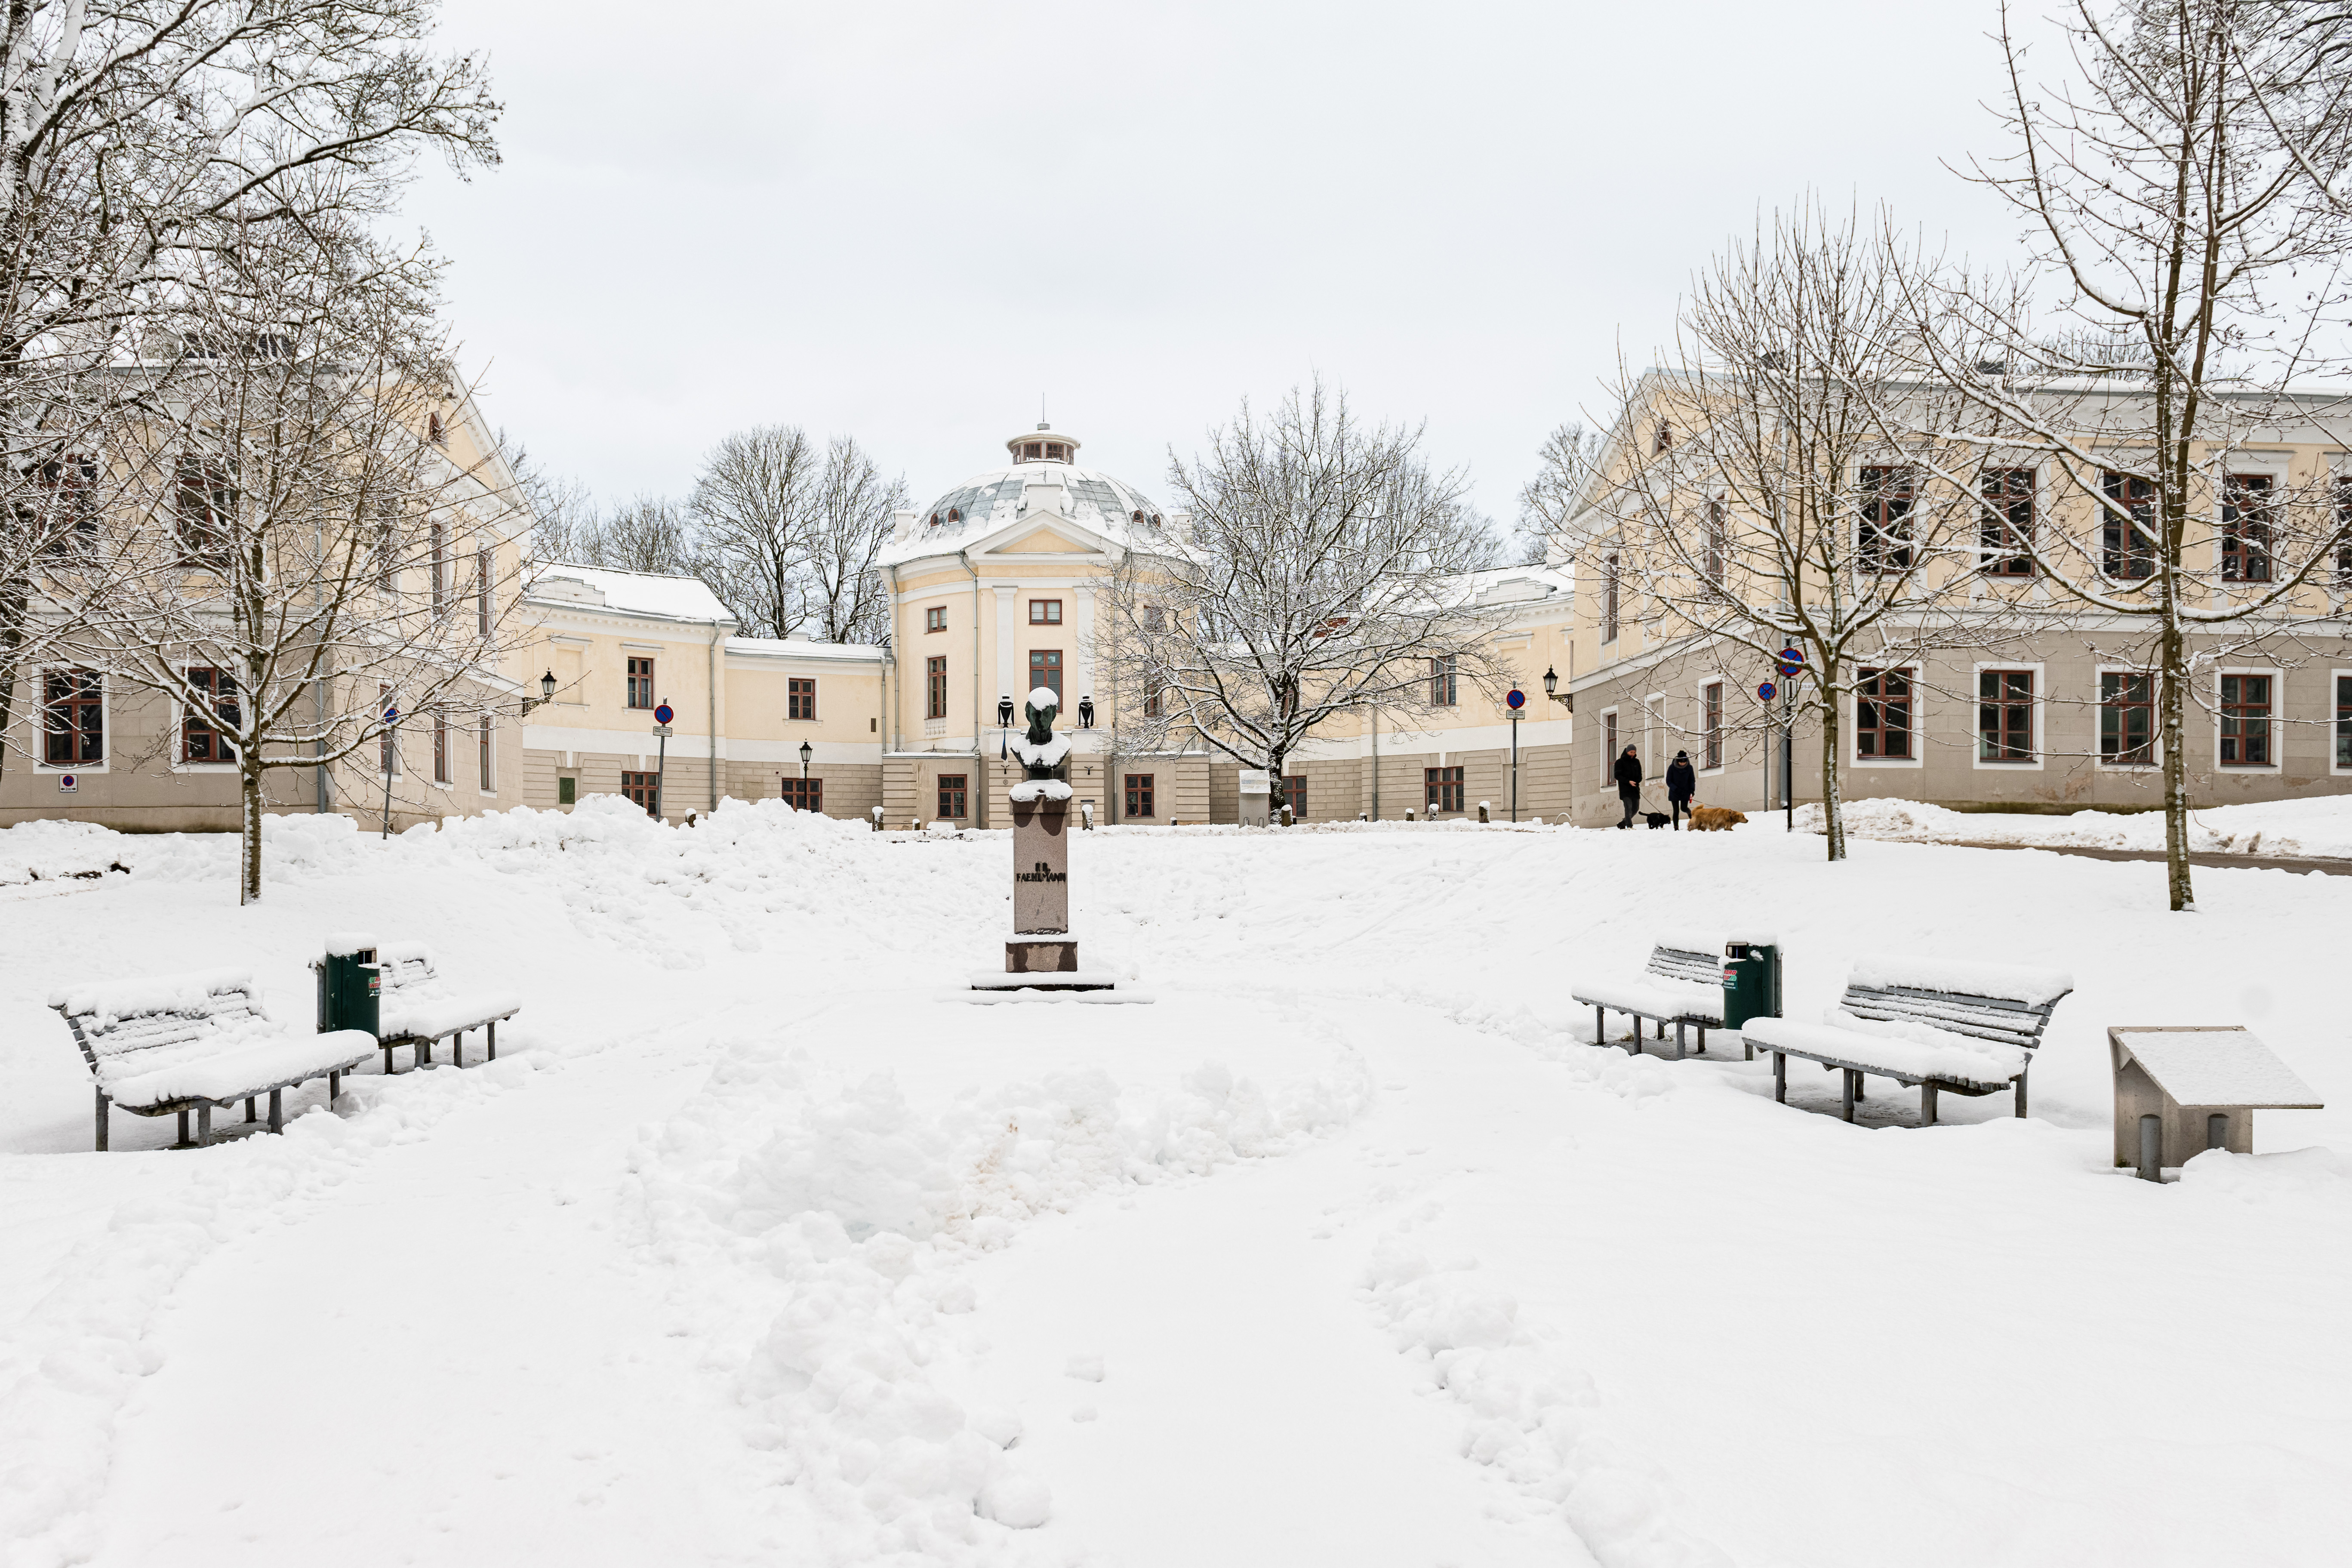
(954, 515)
(935, 520)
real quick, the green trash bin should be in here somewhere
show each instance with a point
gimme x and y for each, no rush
(349, 984)
(1751, 982)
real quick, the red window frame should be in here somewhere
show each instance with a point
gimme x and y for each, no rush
(73, 717)
(1609, 750)
(71, 525)
(441, 749)
(1883, 715)
(2005, 716)
(1152, 688)
(2247, 709)
(437, 546)
(1294, 795)
(1609, 582)
(645, 789)
(935, 679)
(954, 798)
(482, 598)
(1718, 542)
(2246, 532)
(1444, 681)
(204, 511)
(1045, 612)
(800, 697)
(2124, 694)
(2127, 559)
(1141, 796)
(804, 794)
(1442, 789)
(488, 783)
(1883, 497)
(641, 682)
(1710, 704)
(935, 618)
(1045, 670)
(2343, 721)
(2007, 525)
(201, 740)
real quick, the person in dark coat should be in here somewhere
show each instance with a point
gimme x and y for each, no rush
(1681, 783)
(1628, 770)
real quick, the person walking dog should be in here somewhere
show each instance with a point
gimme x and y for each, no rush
(1681, 783)
(1628, 771)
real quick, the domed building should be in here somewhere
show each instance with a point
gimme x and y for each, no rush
(1001, 585)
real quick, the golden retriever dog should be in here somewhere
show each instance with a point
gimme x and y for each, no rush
(1715, 818)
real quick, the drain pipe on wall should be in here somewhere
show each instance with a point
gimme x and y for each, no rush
(978, 759)
(714, 714)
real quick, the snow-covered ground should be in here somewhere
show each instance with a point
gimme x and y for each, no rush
(2315, 826)
(762, 1243)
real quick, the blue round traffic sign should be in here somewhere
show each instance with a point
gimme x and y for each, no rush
(663, 714)
(1517, 699)
(1768, 691)
(392, 715)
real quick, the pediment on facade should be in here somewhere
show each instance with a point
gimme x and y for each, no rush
(1047, 535)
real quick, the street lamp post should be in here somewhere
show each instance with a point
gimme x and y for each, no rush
(1517, 700)
(546, 694)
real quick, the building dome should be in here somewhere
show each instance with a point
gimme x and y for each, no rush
(1044, 458)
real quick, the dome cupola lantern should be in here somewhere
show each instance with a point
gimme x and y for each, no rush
(1043, 445)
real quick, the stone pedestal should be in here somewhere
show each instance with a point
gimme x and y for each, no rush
(1041, 871)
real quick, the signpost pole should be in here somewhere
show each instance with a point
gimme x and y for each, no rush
(663, 714)
(1517, 700)
(391, 751)
(1792, 664)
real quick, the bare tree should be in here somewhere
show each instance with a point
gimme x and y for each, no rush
(647, 534)
(306, 549)
(1772, 491)
(1549, 503)
(754, 509)
(846, 592)
(129, 131)
(2181, 191)
(1322, 575)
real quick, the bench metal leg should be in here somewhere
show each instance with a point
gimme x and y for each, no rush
(2021, 1094)
(1927, 1105)
(203, 1125)
(1600, 1026)
(1678, 1037)
(424, 1053)
(494, 1040)
(183, 1143)
(277, 1111)
(387, 1061)
(1702, 1039)
(249, 1113)
(334, 1086)
(1850, 1076)
(102, 1104)
(457, 1049)
(1780, 1078)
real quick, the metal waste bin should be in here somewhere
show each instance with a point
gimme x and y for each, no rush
(1751, 982)
(350, 981)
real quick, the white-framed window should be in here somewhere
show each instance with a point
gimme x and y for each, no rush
(1885, 717)
(441, 744)
(486, 733)
(2011, 700)
(1609, 747)
(2339, 722)
(2130, 739)
(1708, 754)
(75, 720)
(2248, 704)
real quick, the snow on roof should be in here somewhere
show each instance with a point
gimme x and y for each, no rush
(671, 597)
(985, 502)
(800, 647)
(2216, 1067)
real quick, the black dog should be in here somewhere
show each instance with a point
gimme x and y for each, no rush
(1656, 819)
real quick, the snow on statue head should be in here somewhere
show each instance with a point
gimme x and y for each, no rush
(1040, 748)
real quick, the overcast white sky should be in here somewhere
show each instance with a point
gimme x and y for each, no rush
(909, 219)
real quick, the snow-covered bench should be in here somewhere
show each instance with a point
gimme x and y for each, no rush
(177, 1043)
(415, 1007)
(1682, 985)
(1936, 1024)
